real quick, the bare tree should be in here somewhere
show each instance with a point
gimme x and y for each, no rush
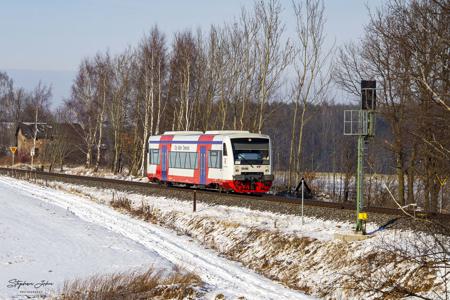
(406, 50)
(312, 67)
(6, 106)
(248, 55)
(103, 70)
(83, 107)
(19, 98)
(181, 79)
(152, 59)
(209, 78)
(40, 101)
(273, 56)
(120, 89)
(61, 141)
(6, 93)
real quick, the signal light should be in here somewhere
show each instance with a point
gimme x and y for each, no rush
(368, 94)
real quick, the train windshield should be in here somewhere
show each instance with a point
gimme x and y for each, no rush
(250, 151)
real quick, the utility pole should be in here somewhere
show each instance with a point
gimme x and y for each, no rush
(361, 123)
(303, 198)
(360, 182)
(33, 150)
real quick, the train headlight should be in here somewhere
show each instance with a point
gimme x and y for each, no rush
(266, 170)
(236, 169)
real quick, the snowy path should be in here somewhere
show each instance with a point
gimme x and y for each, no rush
(227, 277)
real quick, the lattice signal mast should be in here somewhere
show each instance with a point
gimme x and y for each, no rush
(361, 123)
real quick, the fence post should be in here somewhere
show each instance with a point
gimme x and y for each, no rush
(303, 199)
(194, 209)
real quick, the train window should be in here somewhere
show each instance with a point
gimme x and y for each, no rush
(254, 151)
(154, 156)
(178, 157)
(183, 160)
(193, 160)
(172, 159)
(187, 161)
(224, 149)
(215, 159)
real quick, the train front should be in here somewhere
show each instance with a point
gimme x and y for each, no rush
(252, 167)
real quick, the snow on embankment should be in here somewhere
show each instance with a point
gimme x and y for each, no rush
(41, 242)
(220, 274)
(305, 257)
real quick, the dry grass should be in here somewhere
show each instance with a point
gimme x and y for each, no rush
(121, 203)
(145, 211)
(289, 259)
(151, 284)
(391, 275)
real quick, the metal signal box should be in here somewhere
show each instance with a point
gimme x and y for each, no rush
(368, 94)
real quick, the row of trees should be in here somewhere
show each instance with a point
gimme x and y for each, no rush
(249, 75)
(18, 104)
(228, 78)
(406, 49)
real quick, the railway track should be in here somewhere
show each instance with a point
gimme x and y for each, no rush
(277, 204)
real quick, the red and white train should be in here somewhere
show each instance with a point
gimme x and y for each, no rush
(237, 161)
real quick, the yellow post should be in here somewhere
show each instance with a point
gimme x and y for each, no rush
(362, 217)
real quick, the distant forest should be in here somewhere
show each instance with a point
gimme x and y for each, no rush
(326, 148)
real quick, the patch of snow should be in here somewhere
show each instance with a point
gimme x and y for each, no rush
(321, 229)
(42, 241)
(216, 271)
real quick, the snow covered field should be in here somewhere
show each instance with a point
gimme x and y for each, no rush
(53, 235)
(277, 246)
(40, 241)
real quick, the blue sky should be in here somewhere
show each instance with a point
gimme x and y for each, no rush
(46, 39)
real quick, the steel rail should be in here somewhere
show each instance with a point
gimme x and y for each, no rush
(146, 185)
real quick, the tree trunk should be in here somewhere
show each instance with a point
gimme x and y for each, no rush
(298, 165)
(148, 117)
(158, 112)
(411, 178)
(88, 157)
(292, 159)
(400, 178)
(100, 129)
(34, 137)
(115, 166)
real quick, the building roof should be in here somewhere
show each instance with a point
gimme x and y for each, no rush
(47, 131)
(28, 128)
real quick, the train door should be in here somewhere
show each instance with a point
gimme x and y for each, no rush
(203, 165)
(164, 163)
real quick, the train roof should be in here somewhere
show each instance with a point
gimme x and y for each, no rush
(182, 132)
(229, 133)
